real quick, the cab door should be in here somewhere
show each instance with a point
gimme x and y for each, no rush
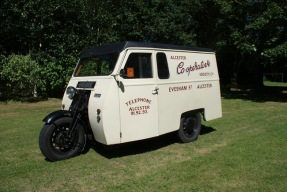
(138, 96)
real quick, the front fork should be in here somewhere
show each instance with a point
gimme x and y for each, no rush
(75, 121)
(79, 108)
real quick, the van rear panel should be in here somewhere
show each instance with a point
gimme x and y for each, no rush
(193, 84)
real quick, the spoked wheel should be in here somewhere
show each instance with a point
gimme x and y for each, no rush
(55, 143)
(190, 127)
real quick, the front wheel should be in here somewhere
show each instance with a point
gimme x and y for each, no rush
(190, 126)
(55, 143)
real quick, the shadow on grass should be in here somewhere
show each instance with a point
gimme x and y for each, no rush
(142, 146)
(206, 130)
(264, 94)
(136, 147)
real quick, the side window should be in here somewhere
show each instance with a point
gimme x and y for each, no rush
(162, 66)
(138, 66)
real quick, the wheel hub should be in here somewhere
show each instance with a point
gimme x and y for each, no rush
(63, 140)
(189, 126)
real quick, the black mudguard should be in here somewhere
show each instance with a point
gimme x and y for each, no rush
(52, 117)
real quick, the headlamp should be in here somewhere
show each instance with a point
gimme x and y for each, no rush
(71, 91)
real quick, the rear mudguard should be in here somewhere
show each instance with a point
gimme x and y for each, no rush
(52, 117)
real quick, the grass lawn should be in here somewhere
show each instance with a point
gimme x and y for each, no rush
(245, 150)
(274, 84)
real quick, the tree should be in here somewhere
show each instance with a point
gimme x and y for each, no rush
(247, 35)
(154, 20)
(252, 35)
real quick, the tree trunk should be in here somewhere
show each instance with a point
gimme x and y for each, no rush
(35, 93)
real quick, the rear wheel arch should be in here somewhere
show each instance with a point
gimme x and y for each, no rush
(201, 111)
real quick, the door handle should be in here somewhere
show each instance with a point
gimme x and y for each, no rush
(155, 91)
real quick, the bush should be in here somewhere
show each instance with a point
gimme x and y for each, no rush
(55, 72)
(20, 77)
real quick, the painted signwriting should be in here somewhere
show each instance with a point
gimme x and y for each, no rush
(180, 88)
(181, 68)
(204, 86)
(178, 57)
(140, 109)
(206, 74)
(137, 100)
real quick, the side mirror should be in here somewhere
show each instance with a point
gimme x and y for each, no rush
(122, 73)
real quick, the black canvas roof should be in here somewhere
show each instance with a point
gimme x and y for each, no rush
(118, 47)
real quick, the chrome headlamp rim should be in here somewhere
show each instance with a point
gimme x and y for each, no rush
(71, 91)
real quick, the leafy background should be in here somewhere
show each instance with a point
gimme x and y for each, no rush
(46, 37)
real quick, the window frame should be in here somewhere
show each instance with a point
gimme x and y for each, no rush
(139, 69)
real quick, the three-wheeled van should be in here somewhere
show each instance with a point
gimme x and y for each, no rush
(130, 91)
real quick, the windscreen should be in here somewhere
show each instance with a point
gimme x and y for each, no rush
(98, 65)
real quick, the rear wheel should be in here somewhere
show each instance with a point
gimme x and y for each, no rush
(190, 126)
(55, 143)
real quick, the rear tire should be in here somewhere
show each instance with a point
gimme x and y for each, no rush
(55, 144)
(190, 126)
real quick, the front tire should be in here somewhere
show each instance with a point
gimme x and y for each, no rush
(190, 126)
(55, 144)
